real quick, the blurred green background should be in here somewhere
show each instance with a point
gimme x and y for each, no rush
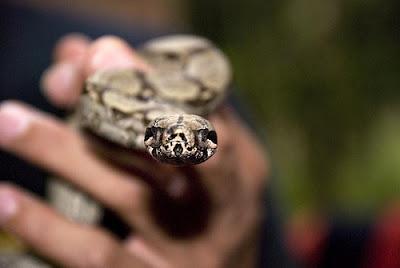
(322, 78)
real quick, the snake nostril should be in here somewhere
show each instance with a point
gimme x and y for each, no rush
(178, 149)
(173, 136)
(182, 136)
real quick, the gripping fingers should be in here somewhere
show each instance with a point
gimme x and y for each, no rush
(53, 236)
(43, 140)
(46, 142)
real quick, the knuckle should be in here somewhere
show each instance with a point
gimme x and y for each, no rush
(70, 46)
(108, 52)
(108, 40)
(102, 254)
(8, 187)
(46, 134)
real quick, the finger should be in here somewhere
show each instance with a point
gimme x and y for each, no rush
(253, 164)
(110, 52)
(53, 236)
(44, 141)
(220, 173)
(138, 247)
(72, 48)
(252, 153)
(62, 82)
(243, 168)
(225, 142)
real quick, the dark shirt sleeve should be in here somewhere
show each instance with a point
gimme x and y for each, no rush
(350, 244)
(383, 247)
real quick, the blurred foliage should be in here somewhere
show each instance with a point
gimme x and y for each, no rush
(322, 78)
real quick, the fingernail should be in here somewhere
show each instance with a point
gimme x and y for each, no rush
(13, 122)
(72, 48)
(59, 82)
(8, 205)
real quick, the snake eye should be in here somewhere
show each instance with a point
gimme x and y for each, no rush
(151, 132)
(205, 134)
(148, 134)
(212, 136)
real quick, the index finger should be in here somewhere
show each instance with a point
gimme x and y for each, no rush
(61, 83)
(110, 52)
(59, 239)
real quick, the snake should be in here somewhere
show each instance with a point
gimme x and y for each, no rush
(161, 112)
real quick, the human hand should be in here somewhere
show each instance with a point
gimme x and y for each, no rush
(228, 187)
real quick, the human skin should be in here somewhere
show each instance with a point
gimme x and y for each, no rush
(234, 180)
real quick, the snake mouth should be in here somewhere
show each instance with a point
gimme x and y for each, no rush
(178, 149)
(180, 155)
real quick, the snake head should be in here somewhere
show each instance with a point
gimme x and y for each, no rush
(181, 139)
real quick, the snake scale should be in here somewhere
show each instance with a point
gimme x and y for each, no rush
(160, 111)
